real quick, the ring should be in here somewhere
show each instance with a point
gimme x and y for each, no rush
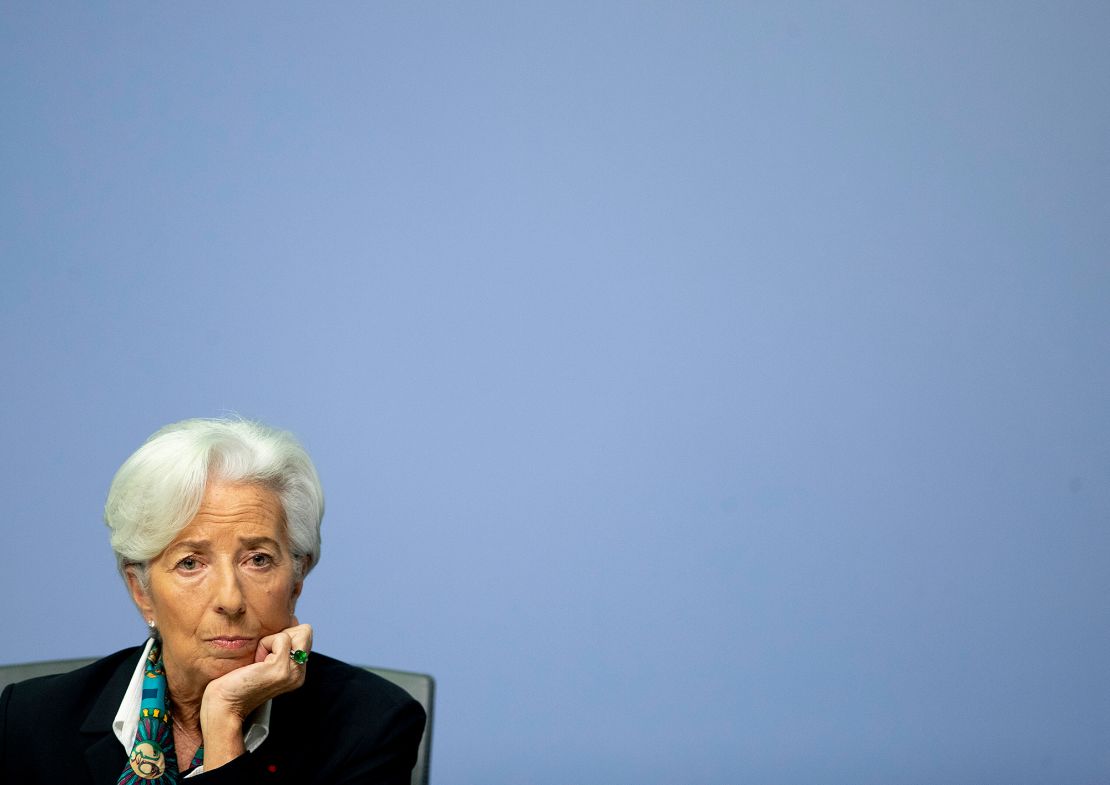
(300, 656)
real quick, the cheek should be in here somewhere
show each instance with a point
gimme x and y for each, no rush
(183, 606)
(274, 601)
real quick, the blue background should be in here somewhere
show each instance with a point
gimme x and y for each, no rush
(703, 392)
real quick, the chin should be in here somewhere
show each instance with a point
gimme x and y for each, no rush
(225, 665)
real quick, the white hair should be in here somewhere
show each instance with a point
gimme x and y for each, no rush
(158, 490)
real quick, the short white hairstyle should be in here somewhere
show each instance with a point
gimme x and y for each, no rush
(158, 490)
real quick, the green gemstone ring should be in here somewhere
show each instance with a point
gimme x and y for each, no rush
(300, 656)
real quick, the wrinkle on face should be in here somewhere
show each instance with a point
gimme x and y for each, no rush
(224, 583)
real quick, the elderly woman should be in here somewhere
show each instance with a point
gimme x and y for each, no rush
(215, 524)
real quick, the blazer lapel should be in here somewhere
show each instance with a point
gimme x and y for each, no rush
(104, 754)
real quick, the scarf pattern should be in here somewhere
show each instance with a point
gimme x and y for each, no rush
(152, 760)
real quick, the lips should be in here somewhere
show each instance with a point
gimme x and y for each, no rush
(231, 642)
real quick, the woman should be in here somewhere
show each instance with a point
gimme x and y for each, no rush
(215, 524)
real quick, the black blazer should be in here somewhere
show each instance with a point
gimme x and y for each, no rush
(344, 725)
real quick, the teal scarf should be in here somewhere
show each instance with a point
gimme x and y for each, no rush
(152, 760)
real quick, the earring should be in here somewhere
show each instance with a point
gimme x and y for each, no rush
(150, 623)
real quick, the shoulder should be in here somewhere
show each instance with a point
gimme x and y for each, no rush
(74, 688)
(69, 704)
(344, 722)
(342, 685)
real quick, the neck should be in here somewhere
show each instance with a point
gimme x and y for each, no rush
(186, 717)
(186, 697)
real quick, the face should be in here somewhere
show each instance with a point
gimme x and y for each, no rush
(226, 581)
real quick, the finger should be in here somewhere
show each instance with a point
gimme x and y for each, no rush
(279, 646)
(265, 647)
(300, 637)
(262, 650)
(283, 644)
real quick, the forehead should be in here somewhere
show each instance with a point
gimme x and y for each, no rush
(236, 510)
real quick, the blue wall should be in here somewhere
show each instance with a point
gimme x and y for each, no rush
(704, 392)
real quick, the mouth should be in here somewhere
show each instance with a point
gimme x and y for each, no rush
(231, 643)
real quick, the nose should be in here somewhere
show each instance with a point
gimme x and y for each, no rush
(229, 594)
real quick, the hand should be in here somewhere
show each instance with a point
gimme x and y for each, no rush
(229, 699)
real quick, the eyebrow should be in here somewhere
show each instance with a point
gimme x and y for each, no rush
(254, 542)
(192, 545)
(245, 542)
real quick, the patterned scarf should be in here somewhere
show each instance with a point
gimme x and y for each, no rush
(152, 760)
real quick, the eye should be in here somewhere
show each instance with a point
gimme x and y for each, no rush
(261, 560)
(189, 563)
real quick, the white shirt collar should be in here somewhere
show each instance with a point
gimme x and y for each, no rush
(126, 722)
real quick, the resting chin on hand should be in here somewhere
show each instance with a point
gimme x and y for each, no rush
(214, 525)
(231, 698)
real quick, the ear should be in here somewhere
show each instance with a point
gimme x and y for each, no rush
(298, 585)
(138, 596)
(293, 600)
